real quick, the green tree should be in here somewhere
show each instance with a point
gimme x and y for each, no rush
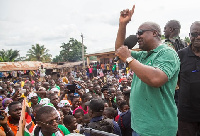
(8, 55)
(38, 53)
(187, 40)
(93, 57)
(72, 51)
(58, 58)
(162, 37)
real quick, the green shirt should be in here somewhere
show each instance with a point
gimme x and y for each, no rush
(63, 129)
(153, 110)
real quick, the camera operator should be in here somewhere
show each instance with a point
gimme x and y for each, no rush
(10, 124)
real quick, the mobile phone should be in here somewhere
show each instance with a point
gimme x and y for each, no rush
(1, 116)
(71, 88)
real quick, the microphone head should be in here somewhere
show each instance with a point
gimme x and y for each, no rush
(131, 41)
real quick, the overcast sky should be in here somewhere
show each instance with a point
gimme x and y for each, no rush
(51, 22)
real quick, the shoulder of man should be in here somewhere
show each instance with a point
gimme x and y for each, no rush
(63, 129)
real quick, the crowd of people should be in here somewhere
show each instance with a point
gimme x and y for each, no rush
(61, 104)
(99, 101)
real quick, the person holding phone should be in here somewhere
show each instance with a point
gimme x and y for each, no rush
(10, 124)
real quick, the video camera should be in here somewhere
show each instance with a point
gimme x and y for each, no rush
(94, 132)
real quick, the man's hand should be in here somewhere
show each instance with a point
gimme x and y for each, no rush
(4, 121)
(123, 52)
(125, 15)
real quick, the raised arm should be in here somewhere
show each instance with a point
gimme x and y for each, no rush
(125, 17)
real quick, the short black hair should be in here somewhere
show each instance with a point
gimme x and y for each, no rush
(79, 111)
(122, 104)
(37, 106)
(13, 103)
(127, 92)
(75, 96)
(111, 111)
(105, 87)
(44, 111)
(52, 94)
(84, 96)
(174, 24)
(68, 119)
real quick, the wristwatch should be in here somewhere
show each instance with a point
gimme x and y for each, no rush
(129, 60)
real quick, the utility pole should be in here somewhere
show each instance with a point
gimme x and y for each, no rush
(83, 52)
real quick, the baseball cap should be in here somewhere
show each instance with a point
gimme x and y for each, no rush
(96, 105)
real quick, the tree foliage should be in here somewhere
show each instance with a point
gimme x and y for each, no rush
(8, 55)
(187, 40)
(38, 53)
(71, 51)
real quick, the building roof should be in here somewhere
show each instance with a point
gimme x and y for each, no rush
(108, 51)
(24, 65)
(69, 64)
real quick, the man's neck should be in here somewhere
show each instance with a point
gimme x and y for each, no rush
(84, 106)
(46, 133)
(14, 121)
(196, 51)
(154, 45)
(172, 37)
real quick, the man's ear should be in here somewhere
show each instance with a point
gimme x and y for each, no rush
(155, 33)
(171, 29)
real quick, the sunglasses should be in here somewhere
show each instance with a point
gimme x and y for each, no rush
(195, 34)
(140, 32)
(51, 122)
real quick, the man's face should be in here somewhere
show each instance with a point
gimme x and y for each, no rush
(114, 80)
(15, 111)
(129, 80)
(54, 100)
(125, 108)
(88, 98)
(76, 102)
(62, 86)
(49, 122)
(124, 83)
(105, 94)
(98, 90)
(74, 124)
(37, 86)
(34, 99)
(79, 117)
(195, 29)
(112, 93)
(145, 38)
(109, 82)
(167, 31)
(119, 100)
(52, 83)
(90, 87)
(4, 86)
(66, 109)
(7, 102)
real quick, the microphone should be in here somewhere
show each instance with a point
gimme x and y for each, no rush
(130, 42)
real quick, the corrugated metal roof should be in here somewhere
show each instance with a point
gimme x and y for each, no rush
(24, 65)
(69, 64)
(108, 50)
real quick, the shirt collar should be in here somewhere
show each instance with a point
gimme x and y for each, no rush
(95, 119)
(190, 52)
(157, 49)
